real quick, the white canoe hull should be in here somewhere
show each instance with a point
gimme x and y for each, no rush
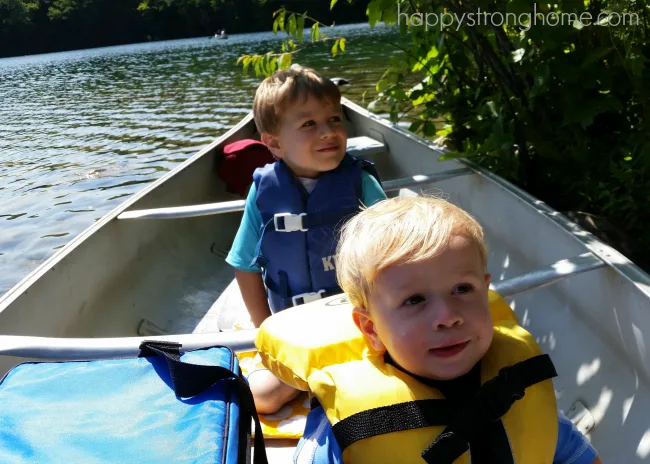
(594, 325)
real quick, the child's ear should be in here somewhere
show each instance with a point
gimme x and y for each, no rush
(488, 277)
(363, 320)
(273, 144)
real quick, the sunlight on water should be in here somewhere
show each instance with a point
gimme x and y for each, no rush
(82, 131)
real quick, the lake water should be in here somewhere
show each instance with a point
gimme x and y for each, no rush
(81, 131)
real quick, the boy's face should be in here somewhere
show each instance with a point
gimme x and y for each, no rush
(311, 138)
(433, 316)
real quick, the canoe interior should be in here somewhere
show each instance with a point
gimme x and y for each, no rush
(595, 326)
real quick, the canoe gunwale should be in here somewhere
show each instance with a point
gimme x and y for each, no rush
(244, 340)
(548, 275)
(223, 207)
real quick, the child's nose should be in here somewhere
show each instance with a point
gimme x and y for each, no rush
(326, 130)
(446, 316)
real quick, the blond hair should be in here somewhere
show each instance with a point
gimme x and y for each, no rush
(286, 87)
(398, 231)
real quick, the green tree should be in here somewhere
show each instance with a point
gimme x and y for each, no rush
(14, 12)
(539, 93)
(38, 26)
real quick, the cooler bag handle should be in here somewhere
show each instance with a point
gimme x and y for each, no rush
(191, 379)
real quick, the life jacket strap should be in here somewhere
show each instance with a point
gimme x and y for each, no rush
(282, 288)
(288, 222)
(465, 420)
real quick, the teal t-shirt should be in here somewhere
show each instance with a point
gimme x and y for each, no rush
(243, 248)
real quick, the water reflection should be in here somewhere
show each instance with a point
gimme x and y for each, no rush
(80, 131)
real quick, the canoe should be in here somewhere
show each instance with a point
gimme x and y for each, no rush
(155, 265)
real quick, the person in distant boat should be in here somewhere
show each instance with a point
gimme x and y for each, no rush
(283, 253)
(426, 365)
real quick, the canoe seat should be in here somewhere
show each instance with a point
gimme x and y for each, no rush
(364, 146)
(227, 313)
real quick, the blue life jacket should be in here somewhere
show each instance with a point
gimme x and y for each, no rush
(318, 444)
(298, 236)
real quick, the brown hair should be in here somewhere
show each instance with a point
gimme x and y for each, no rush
(285, 87)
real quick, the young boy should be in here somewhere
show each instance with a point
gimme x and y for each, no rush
(430, 370)
(295, 205)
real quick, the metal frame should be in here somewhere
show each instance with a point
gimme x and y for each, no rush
(244, 340)
(398, 184)
(207, 209)
(548, 275)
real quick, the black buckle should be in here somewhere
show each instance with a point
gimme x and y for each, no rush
(497, 395)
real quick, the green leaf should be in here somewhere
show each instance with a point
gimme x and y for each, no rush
(335, 48)
(258, 66)
(382, 85)
(247, 61)
(281, 19)
(342, 44)
(433, 53)
(292, 24)
(444, 132)
(429, 129)
(605, 19)
(389, 15)
(301, 26)
(373, 12)
(314, 32)
(264, 66)
(415, 126)
(518, 54)
(493, 109)
(284, 61)
(332, 3)
(272, 64)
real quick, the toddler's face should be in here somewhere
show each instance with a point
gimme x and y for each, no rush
(311, 139)
(432, 317)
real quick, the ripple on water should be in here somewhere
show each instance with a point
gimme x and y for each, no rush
(81, 131)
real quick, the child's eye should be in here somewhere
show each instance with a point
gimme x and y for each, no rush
(413, 300)
(463, 288)
(308, 123)
(335, 118)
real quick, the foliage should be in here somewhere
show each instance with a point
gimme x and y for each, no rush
(39, 26)
(293, 24)
(561, 110)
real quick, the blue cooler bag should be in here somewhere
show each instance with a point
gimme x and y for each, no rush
(160, 407)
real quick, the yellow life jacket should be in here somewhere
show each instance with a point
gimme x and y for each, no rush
(318, 348)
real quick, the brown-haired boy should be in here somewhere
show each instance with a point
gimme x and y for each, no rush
(283, 253)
